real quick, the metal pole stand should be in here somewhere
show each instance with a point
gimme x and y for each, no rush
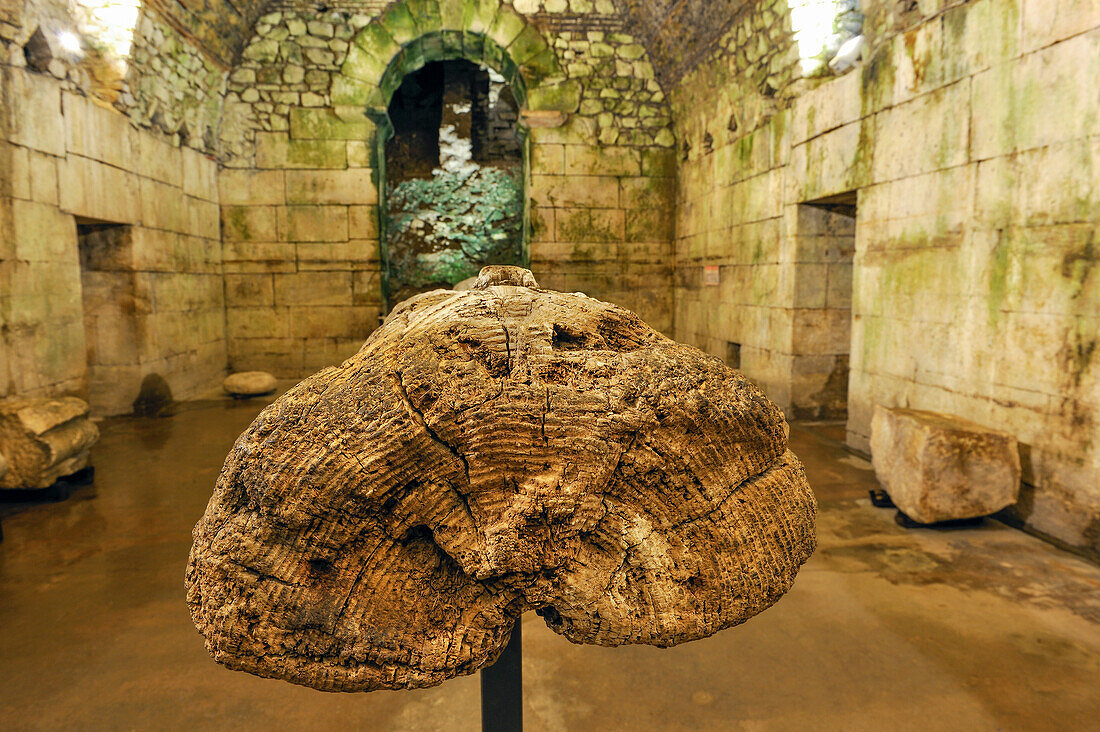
(502, 688)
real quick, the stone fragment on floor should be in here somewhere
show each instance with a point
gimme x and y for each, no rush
(939, 467)
(42, 440)
(249, 384)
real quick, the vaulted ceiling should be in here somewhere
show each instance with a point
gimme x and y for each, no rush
(677, 33)
(219, 27)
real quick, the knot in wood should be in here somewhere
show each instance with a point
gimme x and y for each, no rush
(499, 274)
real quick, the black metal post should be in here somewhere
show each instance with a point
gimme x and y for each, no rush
(502, 688)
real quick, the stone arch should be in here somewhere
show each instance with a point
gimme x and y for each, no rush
(414, 33)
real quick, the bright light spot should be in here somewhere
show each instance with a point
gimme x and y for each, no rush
(69, 41)
(821, 28)
(109, 24)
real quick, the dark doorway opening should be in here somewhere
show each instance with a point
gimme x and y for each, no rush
(454, 193)
(826, 245)
(114, 315)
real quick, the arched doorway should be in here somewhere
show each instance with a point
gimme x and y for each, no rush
(453, 197)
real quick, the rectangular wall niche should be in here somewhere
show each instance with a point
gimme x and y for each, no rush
(826, 245)
(114, 315)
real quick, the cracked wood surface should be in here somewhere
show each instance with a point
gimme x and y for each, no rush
(489, 452)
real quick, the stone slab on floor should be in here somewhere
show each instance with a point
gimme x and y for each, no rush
(939, 467)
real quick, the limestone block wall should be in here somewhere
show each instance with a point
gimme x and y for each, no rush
(69, 162)
(733, 126)
(602, 219)
(302, 164)
(969, 136)
(300, 232)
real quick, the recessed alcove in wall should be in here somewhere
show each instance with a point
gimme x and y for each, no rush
(114, 314)
(825, 252)
(453, 195)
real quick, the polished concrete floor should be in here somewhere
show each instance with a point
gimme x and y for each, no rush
(885, 629)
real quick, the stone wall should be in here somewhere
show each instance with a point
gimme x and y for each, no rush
(730, 206)
(969, 135)
(300, 189)
(68, 160)
(168, 82)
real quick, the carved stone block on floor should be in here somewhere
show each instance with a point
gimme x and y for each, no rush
(938, 467)
(43, 440)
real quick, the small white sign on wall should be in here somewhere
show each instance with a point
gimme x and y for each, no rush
(710, 276)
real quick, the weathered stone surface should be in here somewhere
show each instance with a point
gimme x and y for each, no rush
(489, 452)
(249, 383)
(938, 467)
(42, 440)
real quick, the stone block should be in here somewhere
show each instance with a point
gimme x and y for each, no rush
(33, 176)
(318, 353)
(42, 233)
(102, 134)
(98, 191)
(583, 191)
(810, 285)
(376, 42)
(203, 218)
(199, 175)
(819, 331)
(257, 322)
(324, 256)
(113, 250)
(363, 222)
(826, 107)
(591, 160)
(33, 111)
(163, 207)
(313, 288)
(252, 187)
(350, 91)
(274, 151)
(563, 96)
(366, 287)
(645, 193)
(258, 257)
(358, 154)
(548, 159)
(944, 128)
(659, 163)
(322, 124)
(43, 440)
(650, 225)
(159, 160)
(249, 223)
(317, 223)
(591, 226)
(348, 186)
(346, 322)
(1048, 21)
(249, 290)
(281, 356)
(1020, 91)
(829, 164)
(939, 467)
(249, 383)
